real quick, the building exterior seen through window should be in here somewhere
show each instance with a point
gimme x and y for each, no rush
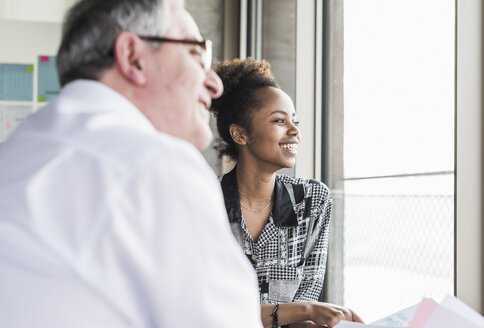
(398, 153)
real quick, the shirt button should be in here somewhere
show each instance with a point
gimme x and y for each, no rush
(254, 257)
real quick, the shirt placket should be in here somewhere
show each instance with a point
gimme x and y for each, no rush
(250, 248)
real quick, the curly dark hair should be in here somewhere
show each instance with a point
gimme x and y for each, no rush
(241, 79)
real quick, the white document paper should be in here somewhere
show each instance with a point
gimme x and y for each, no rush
(450, 313)
(454, 304)
(445, 318)
(398, 319)
(349, 324)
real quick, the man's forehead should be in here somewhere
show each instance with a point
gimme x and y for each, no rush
(182, 24)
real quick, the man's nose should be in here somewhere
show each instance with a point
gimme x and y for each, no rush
(213, 84)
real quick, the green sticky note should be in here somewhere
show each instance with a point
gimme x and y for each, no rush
(29, 68)
(41, 99)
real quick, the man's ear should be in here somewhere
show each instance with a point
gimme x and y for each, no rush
(129, 52)
(238, 134)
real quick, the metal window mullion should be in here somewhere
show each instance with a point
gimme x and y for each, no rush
(469, 167)
(251, 29)
(243, 29)
(331, 144)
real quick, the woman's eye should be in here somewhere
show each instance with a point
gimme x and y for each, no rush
(296, 123)
(279, 120)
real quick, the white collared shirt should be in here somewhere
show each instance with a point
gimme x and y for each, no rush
(105, 222)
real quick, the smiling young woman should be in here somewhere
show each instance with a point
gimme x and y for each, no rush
(281, 223)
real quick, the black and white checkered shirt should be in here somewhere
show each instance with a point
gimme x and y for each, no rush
(290, 254)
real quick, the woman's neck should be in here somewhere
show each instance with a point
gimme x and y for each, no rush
(254, 184)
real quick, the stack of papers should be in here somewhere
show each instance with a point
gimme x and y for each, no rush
(450, 313)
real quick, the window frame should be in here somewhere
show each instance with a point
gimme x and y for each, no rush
(319, 105)
(315, 160)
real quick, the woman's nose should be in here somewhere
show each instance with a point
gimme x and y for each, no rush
(293, 129)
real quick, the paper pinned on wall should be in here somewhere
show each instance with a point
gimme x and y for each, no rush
(48, 85)
(10, 118)
(16, 82)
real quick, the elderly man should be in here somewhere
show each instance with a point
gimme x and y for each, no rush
(109, 215)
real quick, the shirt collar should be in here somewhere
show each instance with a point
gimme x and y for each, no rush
(92, 96)
(283, 213)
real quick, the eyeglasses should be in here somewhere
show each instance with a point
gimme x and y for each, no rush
(205, 45)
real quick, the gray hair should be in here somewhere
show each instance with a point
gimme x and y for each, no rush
(90, 30)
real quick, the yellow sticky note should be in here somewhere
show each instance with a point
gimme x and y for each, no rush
(29, 68)
(41, 99)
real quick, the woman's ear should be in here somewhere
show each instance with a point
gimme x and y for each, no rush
(238, 134)
(129, 54)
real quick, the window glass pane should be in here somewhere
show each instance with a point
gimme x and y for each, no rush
(398, 153)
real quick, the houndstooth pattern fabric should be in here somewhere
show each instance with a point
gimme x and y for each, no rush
(290, 254)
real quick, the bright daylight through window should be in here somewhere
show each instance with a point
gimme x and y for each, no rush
(398, 153)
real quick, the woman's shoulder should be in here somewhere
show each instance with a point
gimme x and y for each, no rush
(312, 188)
(315, 184)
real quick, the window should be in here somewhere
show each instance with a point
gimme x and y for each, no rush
(387, 145)
(398, 181)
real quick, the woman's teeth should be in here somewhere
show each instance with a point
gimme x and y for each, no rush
(291, 146)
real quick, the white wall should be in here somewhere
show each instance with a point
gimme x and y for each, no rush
(23, 41)
(34, 10)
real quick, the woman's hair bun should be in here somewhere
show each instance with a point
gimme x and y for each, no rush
(241, 78)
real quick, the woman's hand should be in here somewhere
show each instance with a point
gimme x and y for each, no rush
(308, 314)
(330, 314)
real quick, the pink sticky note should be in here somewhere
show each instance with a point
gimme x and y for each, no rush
(44, 59)
(423, 313)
